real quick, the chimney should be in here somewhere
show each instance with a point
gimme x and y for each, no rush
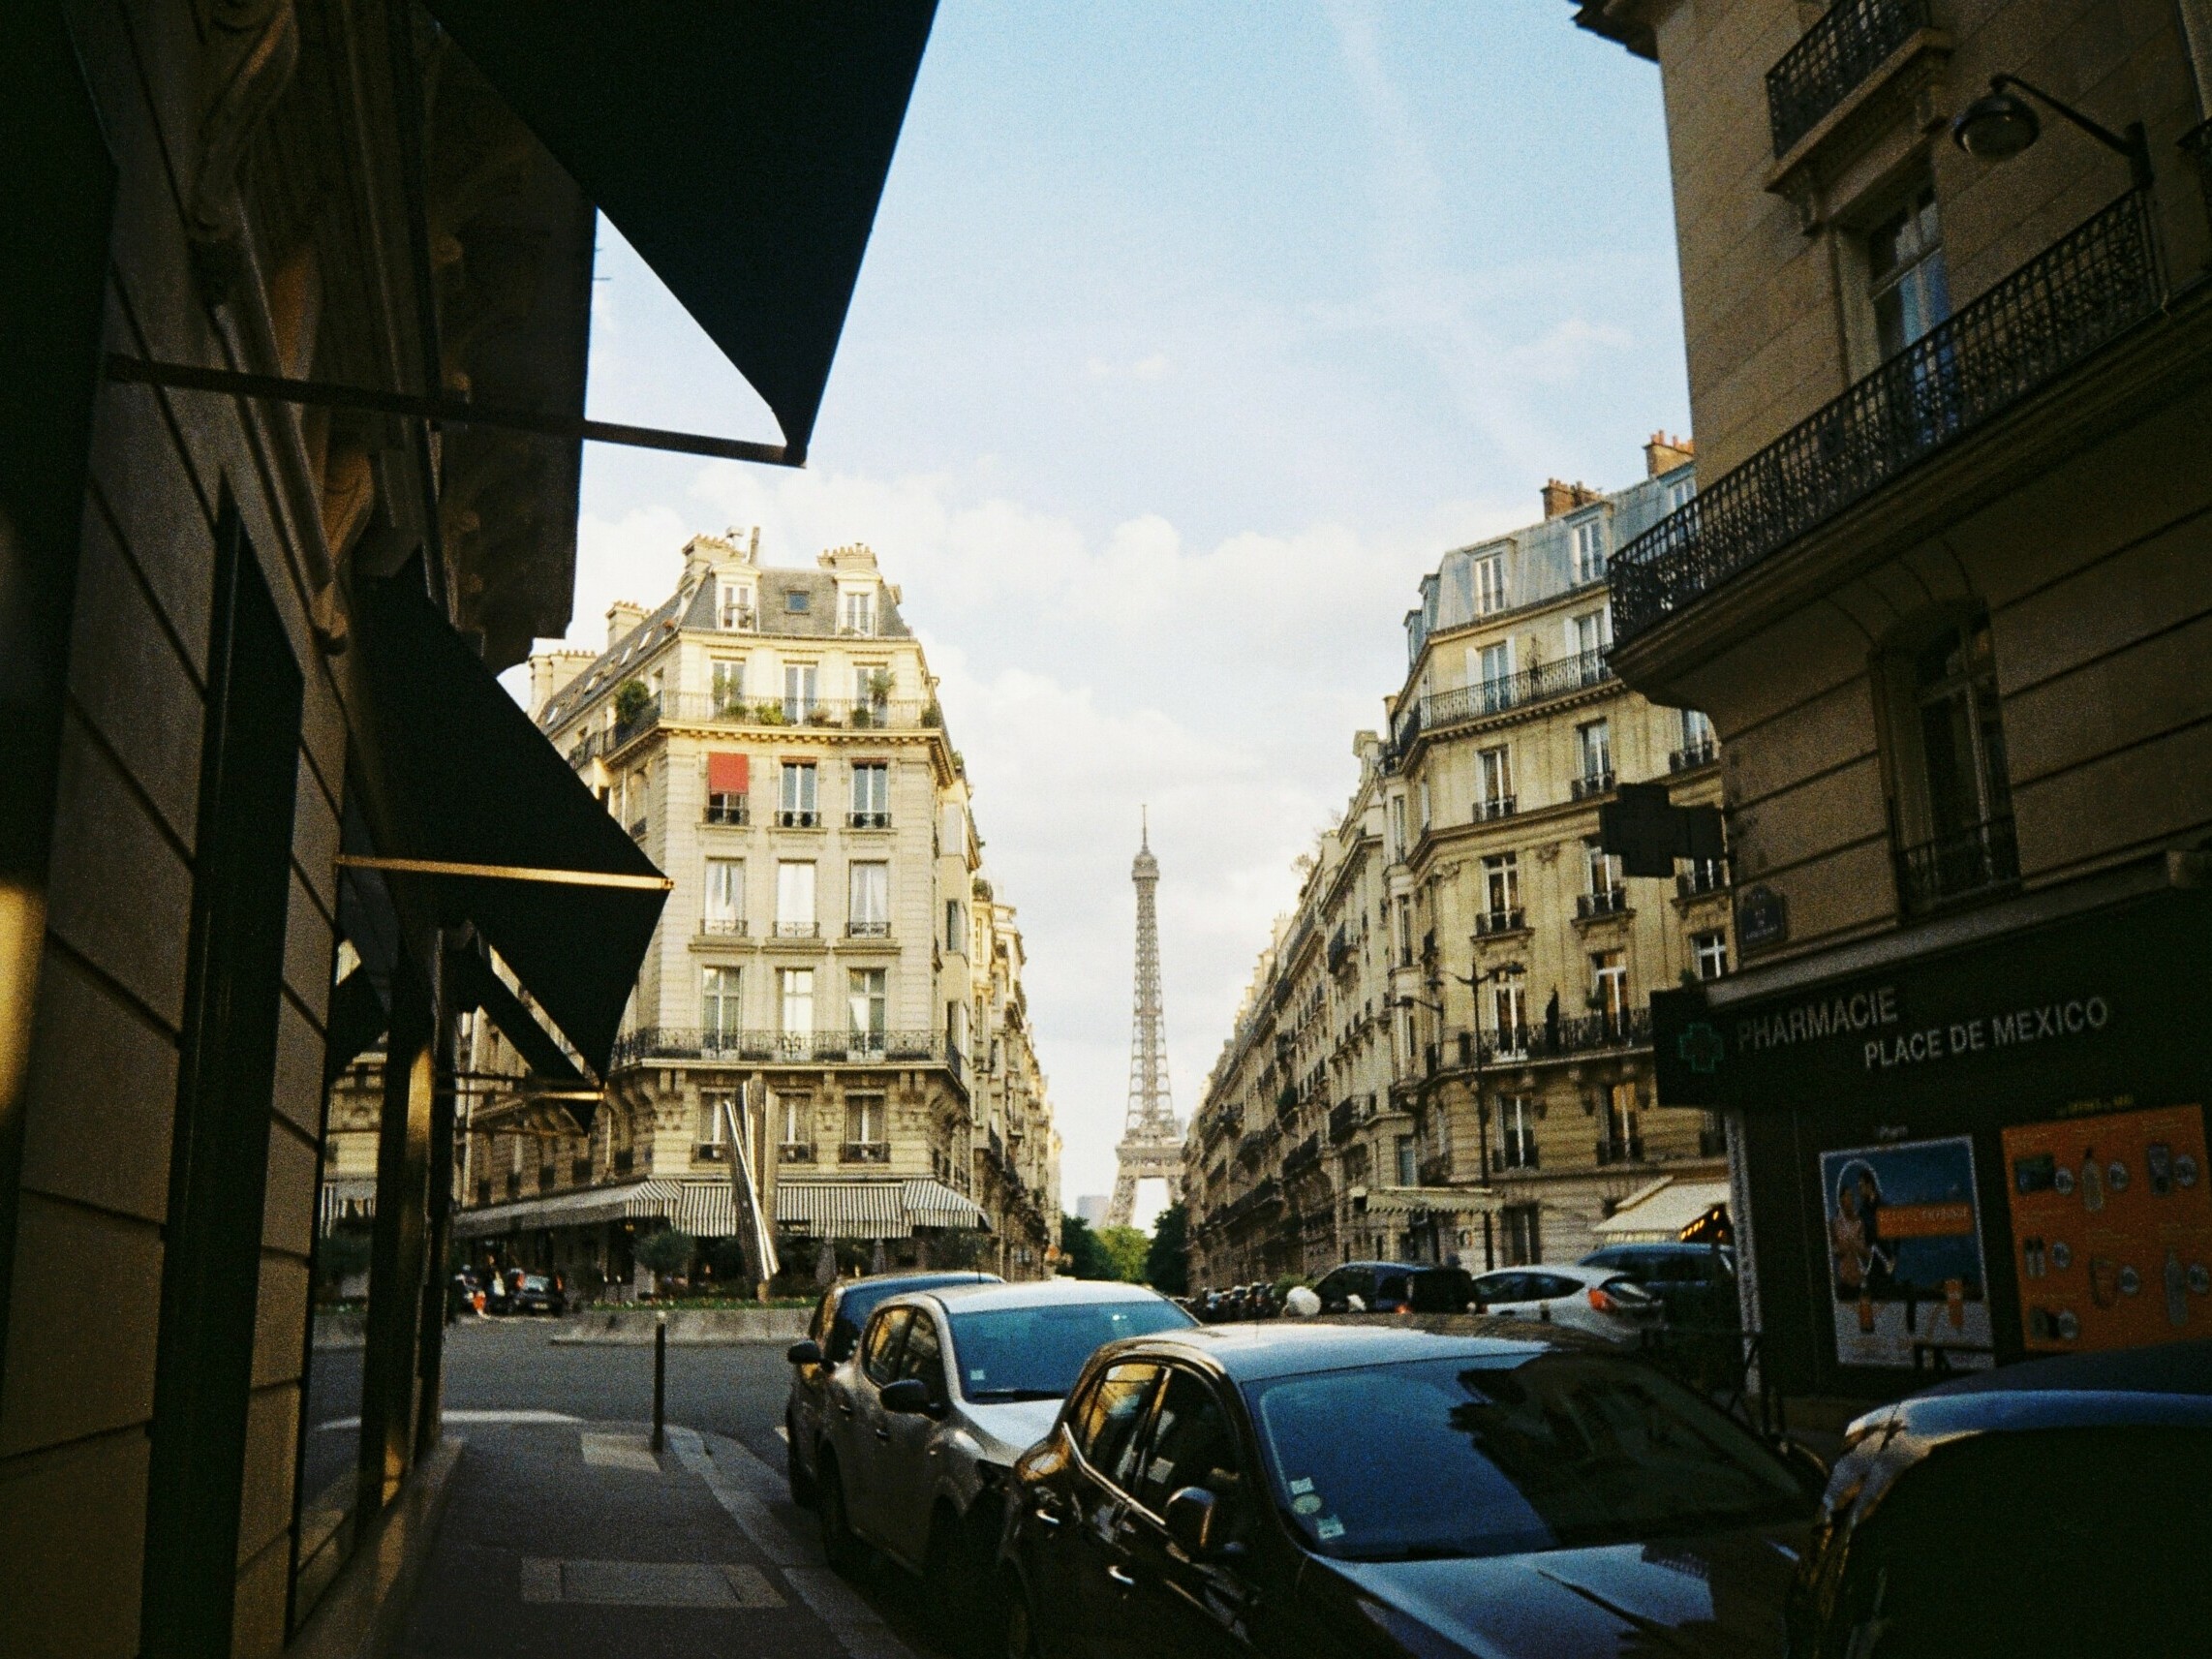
(1663, 454)
(622, 617)
(550, 672)
(1559, 498)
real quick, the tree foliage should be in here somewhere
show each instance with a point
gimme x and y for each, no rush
(1167, 1261)
(1125, 1249)
(668, 1253)
(1087, 1257)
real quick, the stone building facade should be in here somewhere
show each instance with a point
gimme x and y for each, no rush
(833, 960)
(1944, 593)
(1445, 1052)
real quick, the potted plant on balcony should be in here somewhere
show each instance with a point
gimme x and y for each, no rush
(630, 702)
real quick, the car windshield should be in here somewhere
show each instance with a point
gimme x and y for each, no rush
(534, 1282)
(1036, 1353)
(1496, 1456)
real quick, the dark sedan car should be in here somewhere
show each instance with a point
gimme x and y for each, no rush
(831, 1336)
(1396, 1287)
(1322, 1490)
(2062, 1506)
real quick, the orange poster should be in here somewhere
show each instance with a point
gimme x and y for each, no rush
(2111, 1229)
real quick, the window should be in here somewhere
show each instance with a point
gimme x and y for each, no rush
(1955, 795)
(1523, 1237)
(1710, 952)
(880, 1348)
(799, 691)
(1422, 790)
(1906, 279)
(868, 1003)
(1609, 985)
(863, 1120)
(726, 896)
(1494, 772)
(720, 1010)
(736, 607)
(1193, 1444)
(1675, 494)
(1104, 1424)
(710, 1119)
(1397, 825)
(795, 1115)
(871, 796)
(1509, 1015)
(954, 936)
(798, 602)
(1588, 636)
(1489, 584)
(858, 613)
(923, 1358)
(1589, 549)
(725, 684)
(797, 797)
(1697, 730)
(795, 898)
(1501, 887)
(1491, 675)
(795, 997)
(1404, 932)
(1408, 1161)
(1624, 1129)
(1593, 746)
(1515, 1132)
(868, 906)
(729, 777)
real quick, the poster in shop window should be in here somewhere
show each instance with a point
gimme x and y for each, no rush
(1905, 1264)
(2111, 1229)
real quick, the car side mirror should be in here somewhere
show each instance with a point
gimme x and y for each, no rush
(908, 1397)
(1192, 1516)
(806, 1352)
(1808, 1465)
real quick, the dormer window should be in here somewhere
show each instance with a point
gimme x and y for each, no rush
(858, 615)
(1589, 550)
(798, 602)
(736, 607)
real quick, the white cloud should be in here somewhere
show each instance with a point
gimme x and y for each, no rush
(1156, 366)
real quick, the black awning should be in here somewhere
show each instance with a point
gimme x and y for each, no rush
(520, 846)
(740, 145)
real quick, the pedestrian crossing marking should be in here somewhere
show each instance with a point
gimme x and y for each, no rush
(619, 1452)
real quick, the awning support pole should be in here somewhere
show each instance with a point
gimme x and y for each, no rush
(449, 410)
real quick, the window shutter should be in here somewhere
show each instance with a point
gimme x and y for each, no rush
(726, 774)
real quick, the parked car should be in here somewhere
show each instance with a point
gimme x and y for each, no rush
(949, 1387)
(1396, 1287)
(832, 1336)
(1696, 1282)
(2053, 1507)
(1600, 1301)
(535, 1293)
(1316, 1489)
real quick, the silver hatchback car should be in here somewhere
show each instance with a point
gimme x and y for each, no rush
(950, 1386)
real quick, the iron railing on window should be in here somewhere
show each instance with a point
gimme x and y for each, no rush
(1852, 38)
(2063, 305)
(858, 1048)
(1958, 865)
(1503, 695)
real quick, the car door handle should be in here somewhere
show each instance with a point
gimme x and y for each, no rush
(1123, 1576)
(845, 1407)
(883, 1433)
(1045, 1515)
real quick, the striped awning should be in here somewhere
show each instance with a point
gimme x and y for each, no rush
(638, 1199)
(344, 1195)
(1437, 1200)
(872, 1208)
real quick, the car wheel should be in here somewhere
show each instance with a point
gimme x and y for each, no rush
(839, 1541)
(795, 1474)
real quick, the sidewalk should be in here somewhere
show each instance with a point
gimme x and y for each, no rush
(573, 1541)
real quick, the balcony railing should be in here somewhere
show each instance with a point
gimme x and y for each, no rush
(1592, 784)
(798, 817)
(796, 931)
(847, 714)
(1627, 1149)
(795, 1151)
(1511, 921)
(864, 1152)
(1852, 38)
(723, 926)
(1516, 1148)
(2057, 309)
(1705, 876)
(868, 820)
(1954, 867)
(1590, 1034)
(580, 1172)
(868, 930)
(856, 1048)
(710, 1152)
(1496, 806)
(1502, 695)
(1436, 1171)
(1605, 901)
(727, 809)
(1694, 756)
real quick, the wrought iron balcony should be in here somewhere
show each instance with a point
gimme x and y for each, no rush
(864, 1152)
(868, 820)
(723, 926)
(1592, 784)
(1436, 1170)
(2056, 311)
(1502, 695)
(727, 809)
(1694, 756)
(868, 930)
(796, 931)
(847, 714)
(1705, 876)
(1628, 1148)
(1605, 901)
(1852, 38)
(710, 1152)
(783, 1048)
(1496, 806)
(1509, 921)
(1961, 866)
(798, 817)
(580, 1172)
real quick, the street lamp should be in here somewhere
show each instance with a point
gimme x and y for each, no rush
(1999, 125)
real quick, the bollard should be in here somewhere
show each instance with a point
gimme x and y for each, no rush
(660, 1381)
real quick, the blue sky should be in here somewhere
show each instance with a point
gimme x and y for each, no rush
(1188, 337)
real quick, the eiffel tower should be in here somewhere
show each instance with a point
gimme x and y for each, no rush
(1151, 1140)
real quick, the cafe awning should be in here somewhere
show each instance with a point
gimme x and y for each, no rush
(486, 809)
(1434, 1200)
(1659, 1213)
(740, 145)
(872, 1208)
